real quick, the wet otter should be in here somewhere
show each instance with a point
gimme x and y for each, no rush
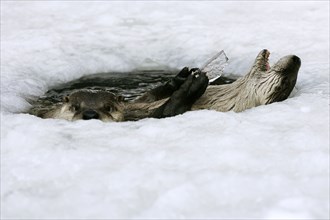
(188, 90)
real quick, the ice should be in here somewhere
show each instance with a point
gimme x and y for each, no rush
(215, 66)
(268, 162)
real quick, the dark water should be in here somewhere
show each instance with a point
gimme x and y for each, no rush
(127, 84)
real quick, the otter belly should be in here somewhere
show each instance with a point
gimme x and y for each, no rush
(236, 97)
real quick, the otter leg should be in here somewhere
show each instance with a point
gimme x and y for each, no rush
(167, 89)
(183, 99)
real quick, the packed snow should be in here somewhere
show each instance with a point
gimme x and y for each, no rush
(269, 162)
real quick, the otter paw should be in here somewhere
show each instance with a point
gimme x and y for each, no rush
(193, 88)
(179, 79)
(182, 76)
(183, 98)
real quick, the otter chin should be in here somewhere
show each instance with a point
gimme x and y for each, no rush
(188, 90)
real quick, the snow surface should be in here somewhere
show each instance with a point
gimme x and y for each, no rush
(267, 162)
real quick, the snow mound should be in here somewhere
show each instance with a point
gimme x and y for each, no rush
(268, 162)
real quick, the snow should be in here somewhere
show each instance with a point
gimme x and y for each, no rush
(269, 162)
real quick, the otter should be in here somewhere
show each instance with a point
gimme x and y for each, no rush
(188, 90)
(262, 85)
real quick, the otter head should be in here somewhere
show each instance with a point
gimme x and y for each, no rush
(89, 104)
(274, 84)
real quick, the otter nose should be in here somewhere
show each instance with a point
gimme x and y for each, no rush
(296, 59)
(90, 114)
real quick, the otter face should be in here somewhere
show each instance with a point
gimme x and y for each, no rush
(274, 84)
(88, 104)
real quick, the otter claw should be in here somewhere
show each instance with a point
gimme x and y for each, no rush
(194, 71)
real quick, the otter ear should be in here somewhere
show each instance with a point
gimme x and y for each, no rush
(66, 99)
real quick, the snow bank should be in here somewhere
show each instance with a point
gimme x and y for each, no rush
(268, 162)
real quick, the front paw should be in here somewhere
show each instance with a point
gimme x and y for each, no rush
(179, 79)
(182, 76)
(183, 98)
(192, 89)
